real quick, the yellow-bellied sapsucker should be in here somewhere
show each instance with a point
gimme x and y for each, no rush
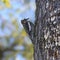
(29, 27)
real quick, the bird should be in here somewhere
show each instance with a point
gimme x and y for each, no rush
(29, 27)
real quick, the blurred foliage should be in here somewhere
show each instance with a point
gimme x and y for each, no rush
(19, 40)
(15, 42)
(7, 3)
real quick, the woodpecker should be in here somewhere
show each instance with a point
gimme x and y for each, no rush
(29, 27)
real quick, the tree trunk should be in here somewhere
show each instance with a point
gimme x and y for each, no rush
(39, 31)
(44, 10)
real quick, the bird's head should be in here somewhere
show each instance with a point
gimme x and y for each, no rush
(24, 21)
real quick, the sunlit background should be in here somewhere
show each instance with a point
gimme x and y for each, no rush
(14, 41)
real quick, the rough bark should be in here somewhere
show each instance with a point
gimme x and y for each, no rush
(44, 24)
(39, 33)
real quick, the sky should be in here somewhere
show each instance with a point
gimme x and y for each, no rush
(26, 11)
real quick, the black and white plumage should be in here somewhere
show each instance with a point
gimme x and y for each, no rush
(29, 27)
